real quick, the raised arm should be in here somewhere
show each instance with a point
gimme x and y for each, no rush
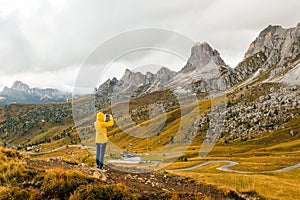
(107, 124)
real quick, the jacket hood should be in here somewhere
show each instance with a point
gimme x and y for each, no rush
(100, 116)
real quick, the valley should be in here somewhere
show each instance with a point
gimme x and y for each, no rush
(184, 126)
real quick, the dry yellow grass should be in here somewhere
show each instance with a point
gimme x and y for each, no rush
(260, 154)
(70, 154)
(271, 186)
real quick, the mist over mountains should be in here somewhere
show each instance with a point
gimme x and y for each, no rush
(21, 93)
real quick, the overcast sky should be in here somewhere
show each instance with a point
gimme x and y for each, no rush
(44, 43)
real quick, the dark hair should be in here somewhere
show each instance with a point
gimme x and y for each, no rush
(107, 117)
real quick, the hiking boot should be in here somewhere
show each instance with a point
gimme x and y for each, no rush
(103, 169)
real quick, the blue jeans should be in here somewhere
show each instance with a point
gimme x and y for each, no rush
(100, 152)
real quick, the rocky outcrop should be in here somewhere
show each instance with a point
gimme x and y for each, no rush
(132, 84)
(246, 120)
(201, 55)
(107, 87)
(274, 52)
(204, 72)
(245, 68)
(279, 45)
(134, 79)
(164, 75)
(137, 79)
(19, 86)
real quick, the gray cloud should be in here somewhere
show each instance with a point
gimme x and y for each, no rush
(42, 36)
(17, 52)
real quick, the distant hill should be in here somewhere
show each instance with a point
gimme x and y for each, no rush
(21, 93)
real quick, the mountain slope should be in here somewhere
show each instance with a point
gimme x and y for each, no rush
(258, 99)
(56, 178)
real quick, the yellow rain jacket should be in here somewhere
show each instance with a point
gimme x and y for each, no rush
(101, 127)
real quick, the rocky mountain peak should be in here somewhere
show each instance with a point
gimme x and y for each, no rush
(273, 29)
(138, 78)
(131, 82)
(201, 55)
(164, 75)
(149, 75)
(19, 86)
(163, 70)
(132, 78)
(127, 72)
(276, 43)
(265, 40)
(114, 80)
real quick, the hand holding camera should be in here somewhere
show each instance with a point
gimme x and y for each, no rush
(107, 117)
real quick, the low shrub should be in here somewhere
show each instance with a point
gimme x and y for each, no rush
(95, 191)
(59, 183)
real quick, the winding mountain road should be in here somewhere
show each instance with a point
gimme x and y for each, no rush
(229, 164)
(224, 168)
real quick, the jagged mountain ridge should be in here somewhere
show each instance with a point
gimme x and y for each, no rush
(133, 84)
(162, 76)
(22, 93)
(271, 54)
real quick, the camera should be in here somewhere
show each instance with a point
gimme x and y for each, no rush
(107, 118)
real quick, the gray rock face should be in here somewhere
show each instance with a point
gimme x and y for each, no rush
(275, 49)
(278, 44)
(138, 79)
(135, 79)
(203, 72)
(201, 55)
(132, 84)
(246, 120)
(164, 75)
(107, 87)
(19, 86)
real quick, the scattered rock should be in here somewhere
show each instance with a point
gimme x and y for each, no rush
(54, 159)
(83, 165)
(293, 132)
(100, 176)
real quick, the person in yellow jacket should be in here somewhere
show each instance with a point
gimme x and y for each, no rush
(101, 124)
